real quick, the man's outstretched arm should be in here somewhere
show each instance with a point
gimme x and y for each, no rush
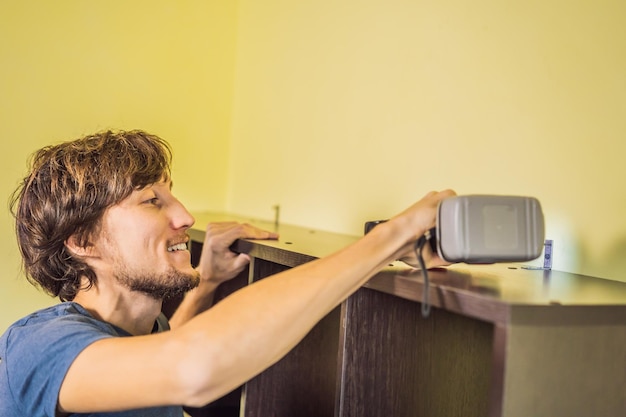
(244, 334)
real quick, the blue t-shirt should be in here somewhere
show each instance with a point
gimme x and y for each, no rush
(36, 353)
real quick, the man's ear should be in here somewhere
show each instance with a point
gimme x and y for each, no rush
(83, 251)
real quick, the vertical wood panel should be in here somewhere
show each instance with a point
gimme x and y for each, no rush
(397, 363)
(566, 370)
(303, 382)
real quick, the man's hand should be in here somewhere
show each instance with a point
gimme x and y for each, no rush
(217, 262)
(422, 216)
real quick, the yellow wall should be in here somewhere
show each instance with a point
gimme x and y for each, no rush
(342, 111)
(71, 67)
(348, 111)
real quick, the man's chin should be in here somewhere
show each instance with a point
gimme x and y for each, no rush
(183, 287)
(174, 286)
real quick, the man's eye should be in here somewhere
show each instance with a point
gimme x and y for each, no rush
(153, 201)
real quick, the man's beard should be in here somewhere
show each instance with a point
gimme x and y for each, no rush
(170, 284)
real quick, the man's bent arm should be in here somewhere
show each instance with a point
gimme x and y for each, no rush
(217, 265)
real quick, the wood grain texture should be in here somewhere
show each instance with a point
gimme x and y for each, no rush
(303, 382)
(397, 363)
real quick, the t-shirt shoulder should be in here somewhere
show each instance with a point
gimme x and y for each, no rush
(38, 350)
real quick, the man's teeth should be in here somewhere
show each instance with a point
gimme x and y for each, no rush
(180, 246)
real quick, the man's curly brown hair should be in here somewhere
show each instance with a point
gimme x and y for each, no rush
(66, 193)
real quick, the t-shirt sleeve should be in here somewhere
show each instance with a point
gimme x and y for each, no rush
(39, 356)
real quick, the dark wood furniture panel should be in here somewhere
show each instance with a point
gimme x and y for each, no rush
(568, 363)
(501, 341)
(304, 380)
(397, 363)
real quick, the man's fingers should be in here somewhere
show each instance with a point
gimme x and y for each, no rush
(231, 231)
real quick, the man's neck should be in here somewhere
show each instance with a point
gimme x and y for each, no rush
(132, 311)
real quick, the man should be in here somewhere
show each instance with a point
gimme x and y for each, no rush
(99, 227)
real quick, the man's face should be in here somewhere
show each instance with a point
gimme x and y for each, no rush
(143, 243)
